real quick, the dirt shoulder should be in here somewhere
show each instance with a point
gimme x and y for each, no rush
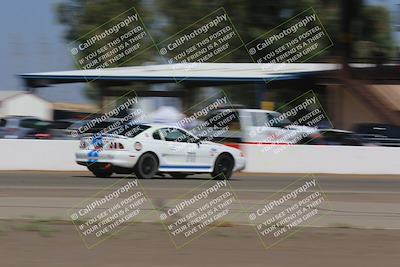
(146, 244)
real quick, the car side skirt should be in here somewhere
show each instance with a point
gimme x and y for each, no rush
(183, 168)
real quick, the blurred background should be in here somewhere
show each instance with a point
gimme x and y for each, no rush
(362, 103)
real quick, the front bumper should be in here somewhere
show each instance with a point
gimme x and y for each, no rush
(240, 164)
(123, 159)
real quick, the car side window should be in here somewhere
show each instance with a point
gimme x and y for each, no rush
(29, 123)
(156, 135)
(175, 135)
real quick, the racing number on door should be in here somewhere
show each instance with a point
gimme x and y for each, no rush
(191, 157)
(181, 149)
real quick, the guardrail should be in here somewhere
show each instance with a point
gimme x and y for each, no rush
(322, 159)
(58, 155)
(52, 155)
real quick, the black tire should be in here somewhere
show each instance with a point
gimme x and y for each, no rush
(223, 167)
(178, 175)
(147, 166)
(101, 171)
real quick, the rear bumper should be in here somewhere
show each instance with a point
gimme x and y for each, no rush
(123, 159)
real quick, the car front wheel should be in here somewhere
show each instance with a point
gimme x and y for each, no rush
(223, 167)
(147, 166)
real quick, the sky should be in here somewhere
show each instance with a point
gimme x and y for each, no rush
(32, 41)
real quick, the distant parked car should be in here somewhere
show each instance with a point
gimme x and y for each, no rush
(378, 134)
(252, 126)
(17, 127)
(74, 129)
(41, 130)
(62, 129)
(335, 137)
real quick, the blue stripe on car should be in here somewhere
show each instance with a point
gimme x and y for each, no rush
(185, 167)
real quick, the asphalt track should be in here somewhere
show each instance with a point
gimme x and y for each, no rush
(361, 207)
(355, 200)
(372, 184)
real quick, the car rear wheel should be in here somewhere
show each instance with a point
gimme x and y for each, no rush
(147, 166)
(223, 167)
(101, 171)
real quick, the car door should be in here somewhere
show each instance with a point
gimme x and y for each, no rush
(178, 151)
(206, 154)
(203, 152)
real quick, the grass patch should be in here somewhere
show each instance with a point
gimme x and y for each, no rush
(223, 224)
(41, 226)
(341, 225)
(4, 228)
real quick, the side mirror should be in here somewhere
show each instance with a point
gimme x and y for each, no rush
(198, 141)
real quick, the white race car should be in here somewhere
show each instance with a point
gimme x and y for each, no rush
(147, 150)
